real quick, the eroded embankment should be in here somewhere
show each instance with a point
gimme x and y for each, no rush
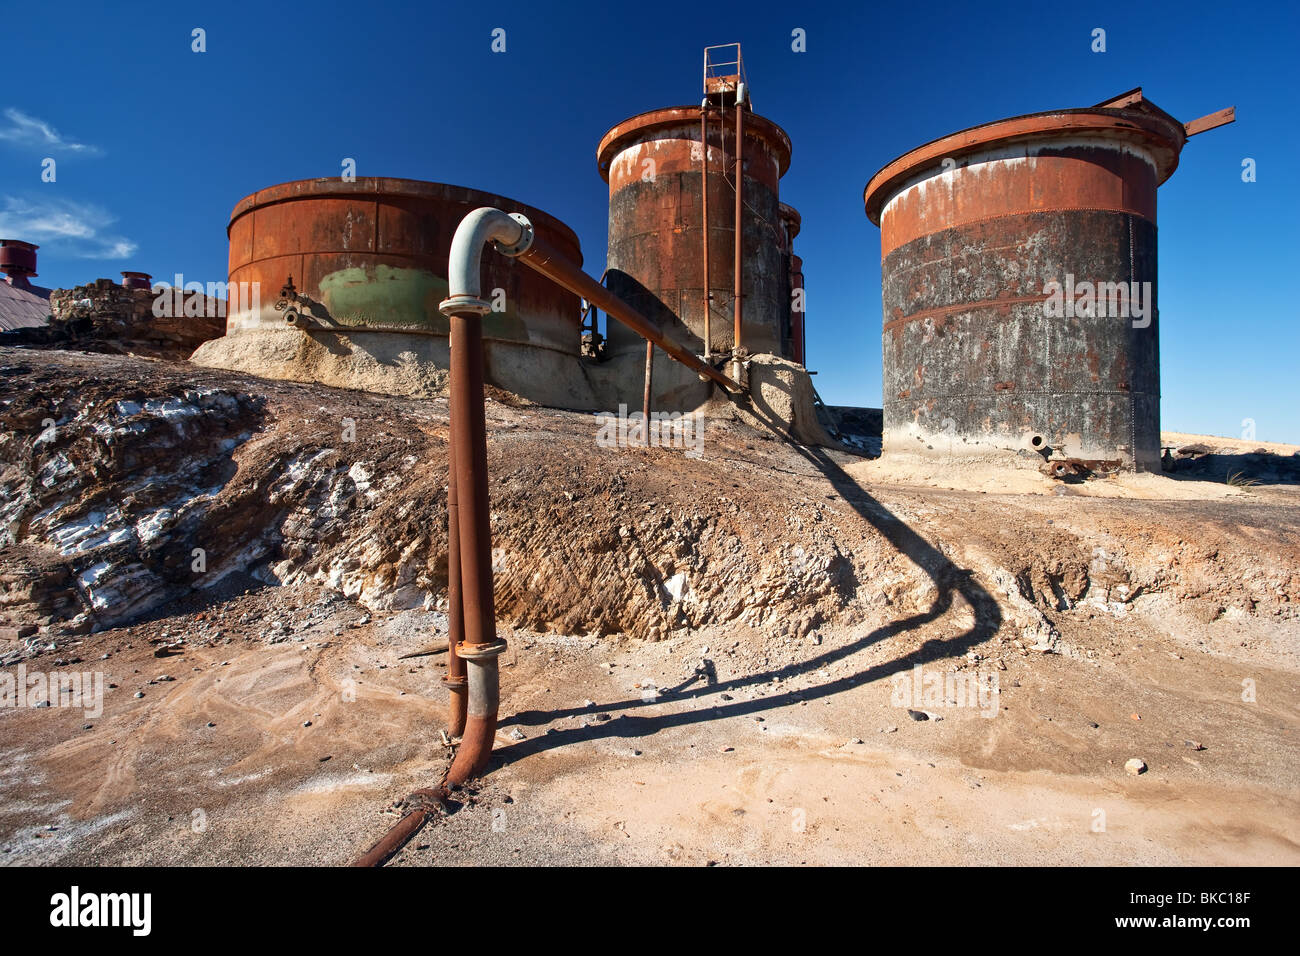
(130, 484)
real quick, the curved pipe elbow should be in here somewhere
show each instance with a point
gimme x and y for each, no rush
(512, 234)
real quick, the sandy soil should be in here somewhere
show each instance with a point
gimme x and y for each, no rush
(811, 763)
(1001, 474)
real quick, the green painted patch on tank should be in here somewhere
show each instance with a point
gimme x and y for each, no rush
(389, 298)
(385, 297)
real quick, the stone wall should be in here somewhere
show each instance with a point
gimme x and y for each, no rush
(104, 316)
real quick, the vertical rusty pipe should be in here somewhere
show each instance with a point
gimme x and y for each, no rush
(471, 532)
(740, 177)
(480, 647)
(704, 201)
(649, 379)
(455, 680)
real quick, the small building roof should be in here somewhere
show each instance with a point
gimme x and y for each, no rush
(23, 306)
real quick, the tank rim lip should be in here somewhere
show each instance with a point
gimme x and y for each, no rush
(368, 186)
(669, 115)
(1162, 131)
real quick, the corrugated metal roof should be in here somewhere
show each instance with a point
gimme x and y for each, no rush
(23, 307)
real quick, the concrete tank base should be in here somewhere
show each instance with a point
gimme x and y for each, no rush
(621, 380)
(782, 396)
(394, 363)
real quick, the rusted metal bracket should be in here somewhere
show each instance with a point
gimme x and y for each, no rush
(1211, 120)
(1207, 122)
(1124, 99)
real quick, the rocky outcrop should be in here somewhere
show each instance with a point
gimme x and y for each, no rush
(130, 485)
(104, 316)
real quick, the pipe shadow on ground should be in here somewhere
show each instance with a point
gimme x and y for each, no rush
(948, 578)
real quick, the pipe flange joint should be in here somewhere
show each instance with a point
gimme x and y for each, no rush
(454, 683)
(481, 652)
(460, 304)
(525, 237)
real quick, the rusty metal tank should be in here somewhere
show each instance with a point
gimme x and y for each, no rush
(371, 256)
(18, 258)
(653, 164)
(990, 238)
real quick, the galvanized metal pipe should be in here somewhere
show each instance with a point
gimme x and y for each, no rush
(464, 265)
(704, 230)
(464, 307)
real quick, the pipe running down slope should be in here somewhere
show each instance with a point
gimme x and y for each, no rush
(474, 647)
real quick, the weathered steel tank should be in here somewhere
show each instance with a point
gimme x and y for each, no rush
(372, 255)
(348, 277)
(1019, 284)
(654, 166)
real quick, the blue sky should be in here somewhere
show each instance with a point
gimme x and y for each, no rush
(155, 143)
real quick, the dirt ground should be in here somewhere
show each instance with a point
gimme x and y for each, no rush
(711, 660)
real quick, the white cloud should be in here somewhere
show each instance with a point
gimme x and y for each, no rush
(70, 228)
(28, 131)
